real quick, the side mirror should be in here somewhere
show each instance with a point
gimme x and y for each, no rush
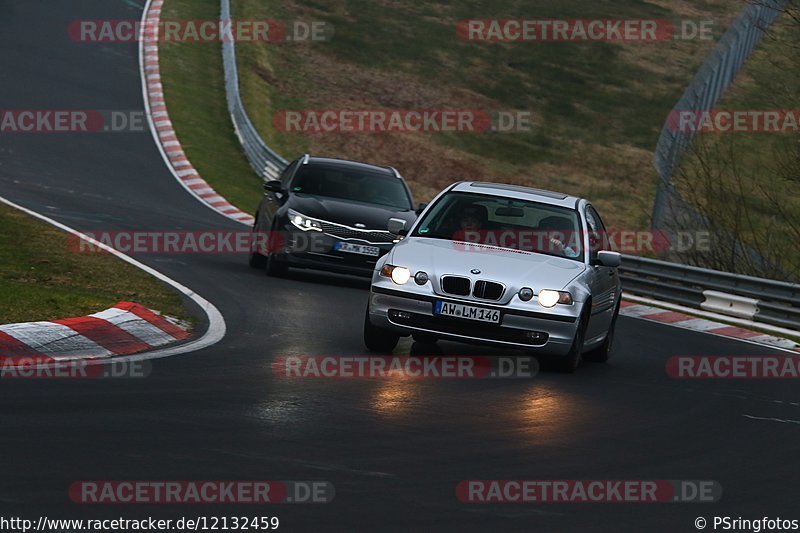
(421, 208)
(273, 186)
(397, 226)
(608, 259)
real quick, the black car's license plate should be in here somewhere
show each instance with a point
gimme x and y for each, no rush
(361, 249)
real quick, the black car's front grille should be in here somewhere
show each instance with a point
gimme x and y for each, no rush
(469, 328)
(488, 290)
(456, 285)
(346, 232)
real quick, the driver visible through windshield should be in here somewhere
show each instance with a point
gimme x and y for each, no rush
(522, 225)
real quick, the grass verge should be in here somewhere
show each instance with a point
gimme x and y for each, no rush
(41, 279)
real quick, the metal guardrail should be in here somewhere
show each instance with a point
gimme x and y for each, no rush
(761, 300)
(264, 161)
(767, 301)
(712, 79)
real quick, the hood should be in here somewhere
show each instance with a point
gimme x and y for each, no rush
(347, 212)
(514, 269)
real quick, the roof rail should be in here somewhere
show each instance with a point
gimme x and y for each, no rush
(305, 159)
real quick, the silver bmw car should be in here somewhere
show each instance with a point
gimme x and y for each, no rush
(504, 265)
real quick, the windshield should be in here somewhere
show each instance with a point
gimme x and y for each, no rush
(338, 181)
(506, 223)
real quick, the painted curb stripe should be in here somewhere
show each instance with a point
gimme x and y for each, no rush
(153, 318)
(107, 335)
(703, 325)
(11, 348)
(141, 329)
(126, 329)
(55, 340)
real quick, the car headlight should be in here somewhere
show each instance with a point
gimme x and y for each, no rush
(549, 298)
(400, 275)
(300, 221)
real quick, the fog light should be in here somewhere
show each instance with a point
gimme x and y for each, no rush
(421, 278)
(525, 294)
(399, 315)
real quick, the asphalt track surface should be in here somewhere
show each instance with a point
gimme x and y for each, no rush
(394, 449)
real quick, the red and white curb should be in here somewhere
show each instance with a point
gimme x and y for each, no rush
(125, 329)
(161, 126)
(682, 320)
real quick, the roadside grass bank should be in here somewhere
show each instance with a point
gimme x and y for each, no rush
(42, 278)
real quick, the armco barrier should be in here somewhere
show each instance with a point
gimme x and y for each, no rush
(266, 163)
(773, 302)
(760, 300)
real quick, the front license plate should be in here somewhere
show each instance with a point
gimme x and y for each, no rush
(361, 249)
(467, 311)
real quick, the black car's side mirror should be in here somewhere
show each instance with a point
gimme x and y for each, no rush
(421, 208)
(273, 186)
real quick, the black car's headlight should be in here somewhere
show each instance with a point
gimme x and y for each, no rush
(300, 221)
(400, 275)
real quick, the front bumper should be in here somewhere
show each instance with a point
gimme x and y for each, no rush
(317, 250)
(408, 312)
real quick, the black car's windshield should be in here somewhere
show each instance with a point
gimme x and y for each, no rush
(507, 223)
(338, 181)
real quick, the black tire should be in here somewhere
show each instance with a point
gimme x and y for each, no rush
(276, 267)
(378, 339)
(256, 260)
(603, 352)
(424, 338)
(570, 362)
